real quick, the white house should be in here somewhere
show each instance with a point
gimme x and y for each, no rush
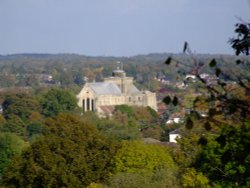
(173, 135)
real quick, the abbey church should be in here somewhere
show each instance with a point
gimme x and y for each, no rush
(102, 97)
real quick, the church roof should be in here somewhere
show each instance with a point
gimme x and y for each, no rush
(105, 88)
(134, 90)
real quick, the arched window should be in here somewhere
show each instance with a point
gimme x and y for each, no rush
(83, 105)
(88, 104)
(92, 105)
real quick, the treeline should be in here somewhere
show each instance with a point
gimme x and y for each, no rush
(71, 70)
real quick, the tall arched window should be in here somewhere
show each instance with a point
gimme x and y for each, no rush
(88, 104)
(83, 105)
(92, 105)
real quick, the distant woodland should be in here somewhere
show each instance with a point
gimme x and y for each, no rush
(71, 70)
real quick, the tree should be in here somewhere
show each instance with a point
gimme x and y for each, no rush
(225, 160)
(192, 178)
(140, 118)
(140, 165)
(136, 157)
(71, 153)
(21, 105)
(189, 148)
(57, 100)
(162, 178)
(10, 146)
(125, 109)
(14, 125)
(119, 131)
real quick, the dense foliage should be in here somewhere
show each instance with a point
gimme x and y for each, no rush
(10, 146)
(136, 157)
(226, 159)
(56, 101)
(70, 153)
(137, 164)
(21, 105)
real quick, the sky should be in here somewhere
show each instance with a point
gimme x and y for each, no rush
(119, 27)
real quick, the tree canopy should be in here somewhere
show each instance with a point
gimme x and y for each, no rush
(226, 159)
(21, 105)
(57, 100)
(135, 157)
(71, 153)
(141, 165)
(10, 146)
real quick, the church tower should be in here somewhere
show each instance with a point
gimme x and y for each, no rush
(119, 77)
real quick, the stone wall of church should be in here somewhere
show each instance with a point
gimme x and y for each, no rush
(151, 100)
(106, 100)
(137, 100)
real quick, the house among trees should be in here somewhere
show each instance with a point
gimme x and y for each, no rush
(102, 97)
(173, 135)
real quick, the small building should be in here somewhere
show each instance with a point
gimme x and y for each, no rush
(101, 97)
(173, 135)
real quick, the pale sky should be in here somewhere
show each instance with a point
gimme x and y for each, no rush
(118, 27)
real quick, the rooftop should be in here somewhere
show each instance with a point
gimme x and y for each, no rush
(105, 88)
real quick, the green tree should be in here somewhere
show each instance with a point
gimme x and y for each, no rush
(135, 156)
(141, 165)
(21, 105)
(140, 118)
(10, 146)
(193, 179)
(119, 131)
(125, 109)
(15, 125)
(162, 178)
(225, 160)
(72, 153)
(57, 100)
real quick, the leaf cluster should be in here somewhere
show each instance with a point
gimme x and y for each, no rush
(225, 159)
(241, 44)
